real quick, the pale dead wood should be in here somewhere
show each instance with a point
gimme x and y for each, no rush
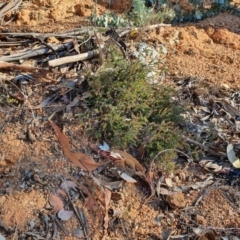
(71, 59)
(9, 7)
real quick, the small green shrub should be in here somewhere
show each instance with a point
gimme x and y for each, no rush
(140, 15)
(108, 20)
(125, 109)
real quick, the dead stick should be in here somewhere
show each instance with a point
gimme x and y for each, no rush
(74, 208)
(9, 7)
(75, 58)
(19, 67)
(204, 147)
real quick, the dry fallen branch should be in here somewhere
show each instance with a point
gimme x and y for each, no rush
(71, 59)
(15, 43)
(4, 65)
(214, 153)
(35, 52)
(9, 7)
(65, 34)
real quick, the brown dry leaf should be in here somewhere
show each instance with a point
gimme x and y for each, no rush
(56, 202)
(130, 161)
(141, 151)
(90, 203)
(79, 159)
(19, 96)
(208, 234)
(61, 193)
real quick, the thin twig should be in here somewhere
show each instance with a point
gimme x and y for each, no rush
(59, 224)
(83, 221)
(2, 128)
(15, 233)
(25, 99)
(205, 192)
(204, 147)
(74, 208)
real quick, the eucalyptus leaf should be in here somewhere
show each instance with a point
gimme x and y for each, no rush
(65, 215)
(126, 177)
(232, 157)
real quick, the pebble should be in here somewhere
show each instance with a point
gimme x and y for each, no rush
(2, 199)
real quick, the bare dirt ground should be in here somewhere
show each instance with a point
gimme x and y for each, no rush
(30, 170)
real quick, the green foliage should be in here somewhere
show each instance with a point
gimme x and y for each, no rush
(125, 109)
(166, 161)
(108, 20)
(165, 135)
(159, 11)
(139, 16)
(142, 15)
(200, 11)
(11, 100)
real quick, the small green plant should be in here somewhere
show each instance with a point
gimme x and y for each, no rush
(200, 11)
(11, 100)
(139, 16)
(108, 20)
(125, 109)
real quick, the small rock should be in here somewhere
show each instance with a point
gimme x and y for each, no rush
(83, 11)
(2, 199)
(201, 220)
(176, 200)
(116, 196)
